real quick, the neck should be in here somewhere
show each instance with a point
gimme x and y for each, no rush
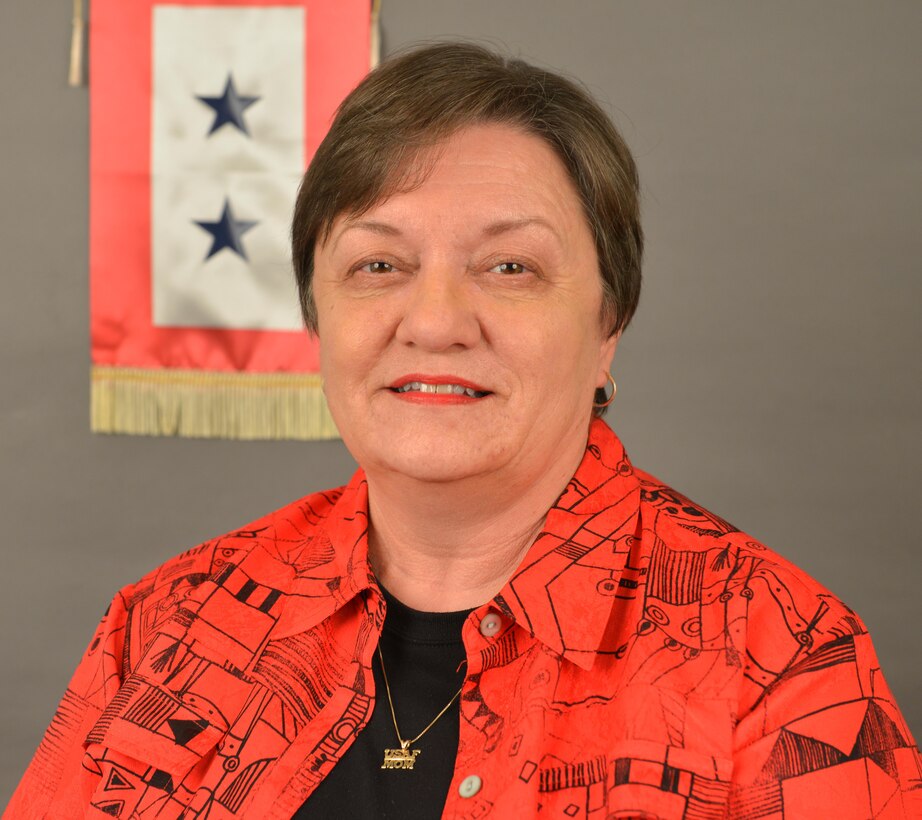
(443, 547)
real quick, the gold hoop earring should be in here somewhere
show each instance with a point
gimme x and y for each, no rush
(611, 398)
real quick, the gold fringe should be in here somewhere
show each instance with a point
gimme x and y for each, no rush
(75, 75)
(197, 404)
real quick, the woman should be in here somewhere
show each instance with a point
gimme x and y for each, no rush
(499, 615)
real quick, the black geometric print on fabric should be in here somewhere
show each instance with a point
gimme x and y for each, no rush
(675, 577)
(794, 755)
(878, 733)
(568, 777)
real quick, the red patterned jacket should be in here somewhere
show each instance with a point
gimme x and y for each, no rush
(653, 662)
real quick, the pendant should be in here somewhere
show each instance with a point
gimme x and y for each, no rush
(402, 758)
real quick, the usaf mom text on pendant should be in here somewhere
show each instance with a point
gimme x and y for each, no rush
(402, 758)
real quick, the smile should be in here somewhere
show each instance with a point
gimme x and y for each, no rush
(439, 389)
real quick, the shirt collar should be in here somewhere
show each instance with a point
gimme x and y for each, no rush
(321, 542)
(561, 593)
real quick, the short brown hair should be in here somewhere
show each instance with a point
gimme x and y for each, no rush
(416, 100)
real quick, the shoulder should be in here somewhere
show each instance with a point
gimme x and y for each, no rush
(681, 531)
(740, 596)
(268, 552)
(295, 523)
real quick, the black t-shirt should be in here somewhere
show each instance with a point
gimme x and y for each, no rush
(423, 657)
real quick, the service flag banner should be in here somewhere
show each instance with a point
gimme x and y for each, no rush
(203, 117)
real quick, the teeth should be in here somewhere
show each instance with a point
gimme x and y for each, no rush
(442, 389)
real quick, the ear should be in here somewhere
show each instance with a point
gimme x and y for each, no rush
(606, 357)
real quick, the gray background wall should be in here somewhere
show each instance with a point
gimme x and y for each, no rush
(772, 372)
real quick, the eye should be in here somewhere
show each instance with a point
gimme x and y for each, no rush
(377, 266)
(509, 267)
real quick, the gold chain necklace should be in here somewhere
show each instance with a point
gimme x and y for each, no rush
(405, 757)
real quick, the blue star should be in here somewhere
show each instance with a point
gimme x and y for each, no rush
(227, 232)
(229, 108)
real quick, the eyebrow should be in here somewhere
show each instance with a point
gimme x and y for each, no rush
(506, 225)
(493, 229)
(380, 228)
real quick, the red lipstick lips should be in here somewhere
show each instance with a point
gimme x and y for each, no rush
(425, 389)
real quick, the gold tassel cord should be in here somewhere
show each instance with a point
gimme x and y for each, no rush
(194, 404)
(75, 76)
(375, 33)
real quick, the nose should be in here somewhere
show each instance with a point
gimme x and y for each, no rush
(438, 313)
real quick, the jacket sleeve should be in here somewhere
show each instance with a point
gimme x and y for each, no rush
(56, 783)
(826, 739)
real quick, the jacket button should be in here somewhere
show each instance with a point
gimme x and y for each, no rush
(490, 625)
(470, 786)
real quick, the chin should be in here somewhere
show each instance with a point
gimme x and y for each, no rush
(432, 457)
(433, 473)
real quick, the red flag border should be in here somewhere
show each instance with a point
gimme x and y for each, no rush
(122, 331)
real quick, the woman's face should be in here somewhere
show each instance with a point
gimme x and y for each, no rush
(485, 277)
